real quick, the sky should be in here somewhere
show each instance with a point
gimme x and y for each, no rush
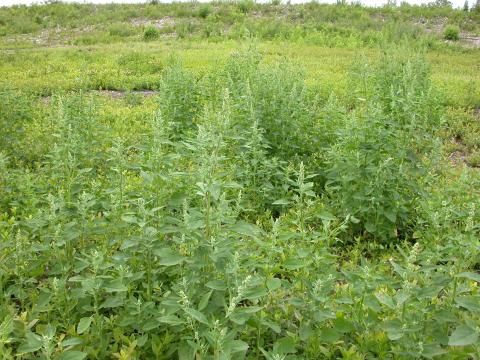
(456, 3)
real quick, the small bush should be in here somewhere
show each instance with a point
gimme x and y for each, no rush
(474, 160)
(151, 33)
(451, 32)
(204, 11)
(245, 6)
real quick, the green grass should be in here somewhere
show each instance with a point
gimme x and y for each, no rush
(305, 188)
(112, 66)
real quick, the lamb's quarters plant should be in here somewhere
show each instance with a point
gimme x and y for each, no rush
(239, 214)
(151, 33)
(451, 32)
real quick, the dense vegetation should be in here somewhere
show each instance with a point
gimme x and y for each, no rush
(343, 25)
(280, 199)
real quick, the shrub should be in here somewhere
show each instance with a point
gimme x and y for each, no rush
(204, 11)
(179, 97)
(151, 33)
(451, 32)
(374, 170)
(245, 6)
(474, 160)
(16, 110)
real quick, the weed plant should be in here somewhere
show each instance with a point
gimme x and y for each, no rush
(243, 216)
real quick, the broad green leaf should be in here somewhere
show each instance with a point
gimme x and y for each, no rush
(247, 229)
(295, 263)
(185, 351)
(285, 345)
(462, 336)
(444, 316)
(385, 299)
(171, 320)
(391, 215)
(242, 314)
(204, 300)
(274, 284)
(394, 329)
(343, 325)
(72, 355)
(305, 331)
(432, 350)
(33, 342)
(326, 215)
(217, 285)
(429, 292)
(281, 202)
(72, 342)
(115, 285)
(470, 275)
(370, 227)
(471, 303)
(112, 302)
(84, 324)
(322, 315)
(255, 293)
(131, 219)
(274, 326)
(238, 345)
(329, 336)
(167, 257)
(197, 315)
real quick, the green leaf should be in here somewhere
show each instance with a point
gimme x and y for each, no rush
(247, 229)
(462, 336)
(167, 257)
(255, 293)
(217, 285)
(274, 284)
(274, 326)
(326, 215)
(204, 300)
(112, 302)
(33, 342)
(343, 325)
(394, 329)
(432, 350)
(72, 342)
(470, 275)
(295, 263)
(391, 215)
(171, 320)
(284, 345)
(238, 345)
(469, 302)
(185, 351)
(305, 331)
(370, 227)
(84, 324)
(385, 300)
(129, 219)
(115, 285)
(242, 314)
(197, 315)
(330, 336)
(72, 355)
(322, 315)
(281, 202)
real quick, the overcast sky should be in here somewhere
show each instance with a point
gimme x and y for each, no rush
(456, 3)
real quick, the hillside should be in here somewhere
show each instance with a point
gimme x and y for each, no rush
(233, 180)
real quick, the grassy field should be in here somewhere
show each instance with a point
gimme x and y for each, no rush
(239, 181)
